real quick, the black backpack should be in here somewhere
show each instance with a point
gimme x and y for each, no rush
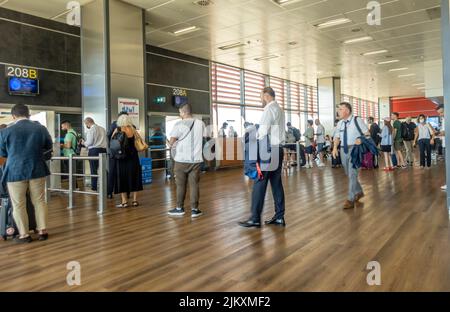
(297, 134)
(117, 145)
(407, 134)
(79, 139)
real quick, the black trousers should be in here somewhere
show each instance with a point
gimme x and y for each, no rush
(94, 152)
(260, 188)
(425, 152)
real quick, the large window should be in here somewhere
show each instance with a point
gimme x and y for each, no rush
(231, 102)
(362, 108)
(253, 84)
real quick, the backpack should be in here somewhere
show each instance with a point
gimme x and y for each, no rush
(117, 145)
(290, 137)
(407, 134)
(297, 134)
(79, 145)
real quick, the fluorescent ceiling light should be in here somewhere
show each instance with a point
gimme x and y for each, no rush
(160, 5)
(407, 75)
(356, 40)
(285, 2)
(3, 2)
(186, 30)
(375, 52)
(418, 84)
(398, 69)
(421, 88)
(332, 23)
(262, 58)
(388, 62)
(65, 12)
(232, 46)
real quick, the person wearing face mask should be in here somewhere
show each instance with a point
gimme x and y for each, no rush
(424, 136)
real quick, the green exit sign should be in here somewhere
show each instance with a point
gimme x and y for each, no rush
(159, 100)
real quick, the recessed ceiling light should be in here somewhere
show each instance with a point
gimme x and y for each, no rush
(335, 22)
(374, 52)
(388, 62)
(285, 2)
(293, 43)
(185, 30)
(160, 5)
(406, 75)
(418, 84)
(398, 69)
(357, 40)
(232, 46)
(268, 57)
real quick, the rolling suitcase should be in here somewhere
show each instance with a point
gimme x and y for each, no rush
(8, 227)
(367, 162)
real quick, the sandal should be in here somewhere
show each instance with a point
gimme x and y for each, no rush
(135, 203)
(123, 205)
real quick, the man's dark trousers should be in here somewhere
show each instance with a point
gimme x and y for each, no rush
(94, 152)
(260, 188)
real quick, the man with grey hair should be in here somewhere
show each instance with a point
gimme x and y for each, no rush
(96, 143)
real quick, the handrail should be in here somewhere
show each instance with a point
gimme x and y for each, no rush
(101, 180)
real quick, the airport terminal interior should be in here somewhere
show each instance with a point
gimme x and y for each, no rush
(236, 66)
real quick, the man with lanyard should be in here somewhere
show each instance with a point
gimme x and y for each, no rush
(348, 133)
(440, 110)
(271, 127)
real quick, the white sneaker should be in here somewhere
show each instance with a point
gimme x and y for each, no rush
(321, 165)
(444, 187)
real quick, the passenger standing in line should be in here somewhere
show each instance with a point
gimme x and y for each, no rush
(96, 143)
(24, 144)
(348, 135)
(375, 131)
(398, 140)
(441, 111)
(320, 140)
(309, 139)
(272, 130)
(112, 172)
(129, 171)
(386, 144)
(187, 138)
(408, 140)
(424, 135)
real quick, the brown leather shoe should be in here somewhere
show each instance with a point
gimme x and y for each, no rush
(359, 196)
(349, 204)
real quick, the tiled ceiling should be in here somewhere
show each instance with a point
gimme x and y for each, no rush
(409, 30)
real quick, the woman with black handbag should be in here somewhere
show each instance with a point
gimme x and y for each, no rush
(129, 171)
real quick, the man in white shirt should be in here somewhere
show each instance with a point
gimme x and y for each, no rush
(320, 140)
(187, 139)
(271, 129)
(96, 143)
(347, 135)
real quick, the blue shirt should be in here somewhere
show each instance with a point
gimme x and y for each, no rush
(352, 131)
(386, 137)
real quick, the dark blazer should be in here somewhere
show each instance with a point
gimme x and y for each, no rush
(24, 144)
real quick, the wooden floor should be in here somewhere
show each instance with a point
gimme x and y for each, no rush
(403, 223)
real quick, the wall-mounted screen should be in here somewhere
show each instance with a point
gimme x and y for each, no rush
(179, 100)
(23, 86)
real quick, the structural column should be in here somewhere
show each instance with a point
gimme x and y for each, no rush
(329, 97)
(113, 61)
(384, 105)
(445, 30)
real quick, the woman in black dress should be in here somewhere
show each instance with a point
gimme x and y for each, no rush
(129, 171)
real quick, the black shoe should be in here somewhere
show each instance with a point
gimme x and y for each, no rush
(176, 212)
(110, 196)
(250, 223)
(43, 237)
(276, 221)
(24, 240)
(196, 213)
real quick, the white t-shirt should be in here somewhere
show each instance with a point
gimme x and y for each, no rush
(320, 133)
(189, 145)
